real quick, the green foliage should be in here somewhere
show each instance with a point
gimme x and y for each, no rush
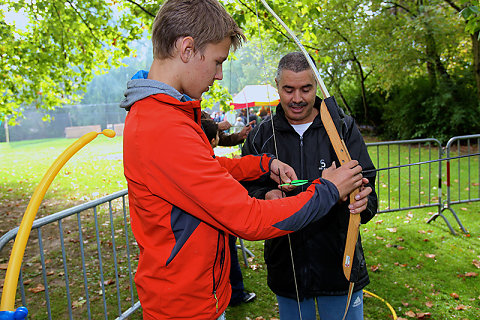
(421, 110)
(254, 63)
(61, 48)
(471, 14)
(217, 94)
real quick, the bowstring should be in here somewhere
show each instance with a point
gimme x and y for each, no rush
(276, 155)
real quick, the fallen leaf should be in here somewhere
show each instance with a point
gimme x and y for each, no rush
(374, 267)
(405, 304)
(429, 304)
(393, 230)
(108, 282)
(410, 314)
(3, 266)
(470, 274)
(423, 315)
(78, 304)
(37, 289)
(461, 307)
(430, 255)
(379, 221)
(476, 263)
(454, 295)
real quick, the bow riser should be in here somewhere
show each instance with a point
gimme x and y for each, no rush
(343, 156)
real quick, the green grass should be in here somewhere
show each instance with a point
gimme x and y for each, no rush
(94, 171)
(415, 266)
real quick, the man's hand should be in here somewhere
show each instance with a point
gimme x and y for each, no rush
(274, 194)
(346, 178)
(282, 173)
(361, 199)
(246, 130)
(224, 125)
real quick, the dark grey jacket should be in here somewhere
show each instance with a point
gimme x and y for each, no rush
(317, 249)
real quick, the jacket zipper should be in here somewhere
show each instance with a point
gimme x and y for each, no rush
(222, 260)
(301, 159)
(302, 285)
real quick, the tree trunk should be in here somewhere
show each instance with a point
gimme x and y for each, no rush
(476, 60)
(364, 91)
(345, 103)
(435, 67)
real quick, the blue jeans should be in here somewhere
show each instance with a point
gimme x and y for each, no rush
(222, 317)
(236, 278)
(329, 307)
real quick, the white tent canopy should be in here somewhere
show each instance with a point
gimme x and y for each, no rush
(256, 95)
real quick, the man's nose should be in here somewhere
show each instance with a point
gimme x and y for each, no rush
(297, 97)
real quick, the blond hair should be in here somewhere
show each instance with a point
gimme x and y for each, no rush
(206, 21)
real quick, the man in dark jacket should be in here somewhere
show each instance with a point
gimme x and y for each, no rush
(317, 251)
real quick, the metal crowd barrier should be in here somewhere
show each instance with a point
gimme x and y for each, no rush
(463, 174)
(101, 286)
(423, 182)
(419, 181)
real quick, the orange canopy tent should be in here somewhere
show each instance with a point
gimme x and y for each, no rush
(256, 96)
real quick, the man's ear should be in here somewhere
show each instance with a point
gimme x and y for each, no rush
(186, 47)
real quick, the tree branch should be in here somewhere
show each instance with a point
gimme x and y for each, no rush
(62, 24)
(142, 8)
(453, 5)
(268, 20)
(395, 5)
(83, 20)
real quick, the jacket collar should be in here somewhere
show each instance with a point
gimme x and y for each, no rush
(191, 108)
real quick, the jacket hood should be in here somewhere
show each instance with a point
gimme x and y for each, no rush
(138, 89)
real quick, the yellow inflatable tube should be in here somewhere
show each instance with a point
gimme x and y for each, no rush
(15, 262)
(394, 314)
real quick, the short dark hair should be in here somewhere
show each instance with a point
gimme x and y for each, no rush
(210, 128)
(293, 61)
(206, 21)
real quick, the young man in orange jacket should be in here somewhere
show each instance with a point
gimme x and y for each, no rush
(171, 172)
